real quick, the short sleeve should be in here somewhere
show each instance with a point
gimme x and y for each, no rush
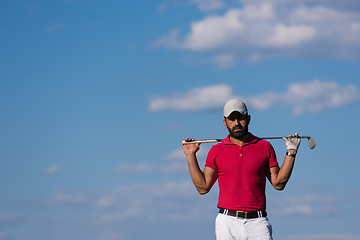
(210, 159)
(272, 157)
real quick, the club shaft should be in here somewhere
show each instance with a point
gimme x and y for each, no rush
(285, 137)
(311, 141)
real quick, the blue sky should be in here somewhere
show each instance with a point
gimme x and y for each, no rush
(96, 96)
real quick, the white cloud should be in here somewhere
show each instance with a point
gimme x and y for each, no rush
(305, 97)
(214, 31)
(54, 168)
(196, 99)
(287, 36)
(277, 28)
(312, 96)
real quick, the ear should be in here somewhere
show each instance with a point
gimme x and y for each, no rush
(249, 119)
(225, 122)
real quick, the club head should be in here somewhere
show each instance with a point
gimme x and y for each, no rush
(311, 143)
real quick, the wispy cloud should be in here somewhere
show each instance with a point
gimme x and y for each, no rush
(54, 27)
(301, 28)
(114, 212)
(163, 7)
(308, 204)
(174, 162)
(313, 96)
(32, 9)
(54, 169)
(10, 218)
(62, 198)
(3, 235)
(130, 201)
(224, 61)
(325, 236)
(164, 203)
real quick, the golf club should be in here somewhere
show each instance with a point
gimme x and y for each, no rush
(311, 141)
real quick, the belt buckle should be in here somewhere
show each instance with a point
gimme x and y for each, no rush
(237, 214)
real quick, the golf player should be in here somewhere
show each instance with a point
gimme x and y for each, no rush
(241, 163)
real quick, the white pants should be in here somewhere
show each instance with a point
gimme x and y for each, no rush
(232, 228)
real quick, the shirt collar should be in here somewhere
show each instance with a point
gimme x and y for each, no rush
(252, 139)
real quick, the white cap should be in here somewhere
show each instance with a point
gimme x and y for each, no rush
(235, 105)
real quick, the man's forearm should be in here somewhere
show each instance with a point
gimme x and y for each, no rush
(292, 144)
(285, 171)
(197, 176)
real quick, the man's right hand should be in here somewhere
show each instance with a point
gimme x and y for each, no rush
(192, 148)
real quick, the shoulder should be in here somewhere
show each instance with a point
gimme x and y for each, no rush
(220, 147)
(261, 143)
(266, 148)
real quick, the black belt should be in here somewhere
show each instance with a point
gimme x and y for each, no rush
(241, 214)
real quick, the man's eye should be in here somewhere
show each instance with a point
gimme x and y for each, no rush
(239, 118)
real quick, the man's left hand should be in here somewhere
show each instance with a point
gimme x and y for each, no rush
(292, 142)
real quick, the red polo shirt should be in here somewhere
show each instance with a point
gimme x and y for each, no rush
(242, 172)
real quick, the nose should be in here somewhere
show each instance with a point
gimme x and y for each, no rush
(237, 121)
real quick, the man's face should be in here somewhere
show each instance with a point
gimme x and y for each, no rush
(237, 124)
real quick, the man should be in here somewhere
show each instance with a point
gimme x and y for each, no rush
(241, 163)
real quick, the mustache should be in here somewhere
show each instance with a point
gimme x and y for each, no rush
(238, 127)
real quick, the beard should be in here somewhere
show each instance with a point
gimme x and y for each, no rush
(238, 132)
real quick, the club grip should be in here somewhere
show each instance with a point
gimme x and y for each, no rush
(201, 141)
